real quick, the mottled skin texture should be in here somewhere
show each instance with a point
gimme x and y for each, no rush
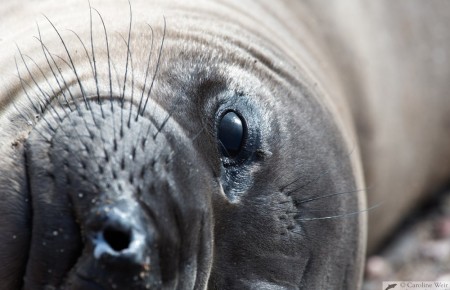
(111, 174)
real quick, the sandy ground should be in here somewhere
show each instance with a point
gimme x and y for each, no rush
(419, 251)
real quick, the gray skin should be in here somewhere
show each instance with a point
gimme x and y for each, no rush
(112, 174)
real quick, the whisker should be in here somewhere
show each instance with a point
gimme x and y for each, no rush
(91, 112)
(71, 62)
(51, 105)
(169, 115)
(47, 54)
(108, 56)
(93, 66)
(118, 85)
(330, 195)
(198, 134)
(132, 83)
(146, 75)
(94, 60)
(223, 147)
(127, 43)
(126, 70)
(345, 215)
(157, 66)
(38, 112)
(45, 77)
(74, 69)
(86, 53)
(109, 69)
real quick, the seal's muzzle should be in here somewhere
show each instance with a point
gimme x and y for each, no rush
(138, 217)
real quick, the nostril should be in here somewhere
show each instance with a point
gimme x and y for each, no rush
(118, 240)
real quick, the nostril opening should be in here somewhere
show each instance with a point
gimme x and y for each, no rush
(117, 240)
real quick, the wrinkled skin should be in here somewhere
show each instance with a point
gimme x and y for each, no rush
(112, 171)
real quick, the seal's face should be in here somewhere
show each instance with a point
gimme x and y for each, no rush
(206, 164)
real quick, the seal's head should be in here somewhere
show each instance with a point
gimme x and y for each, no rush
(223, 170)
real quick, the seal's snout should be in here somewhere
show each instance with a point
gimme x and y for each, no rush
(140, 223)
(119, 237)
(121, 248)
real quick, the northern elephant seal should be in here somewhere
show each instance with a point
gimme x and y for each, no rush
(211, 145)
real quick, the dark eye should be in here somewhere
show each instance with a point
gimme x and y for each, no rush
(231, 134)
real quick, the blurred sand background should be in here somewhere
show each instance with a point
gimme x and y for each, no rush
(418, 251)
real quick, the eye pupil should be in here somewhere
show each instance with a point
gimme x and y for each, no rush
(231, 134)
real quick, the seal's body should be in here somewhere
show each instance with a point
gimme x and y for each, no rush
(214, 145)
